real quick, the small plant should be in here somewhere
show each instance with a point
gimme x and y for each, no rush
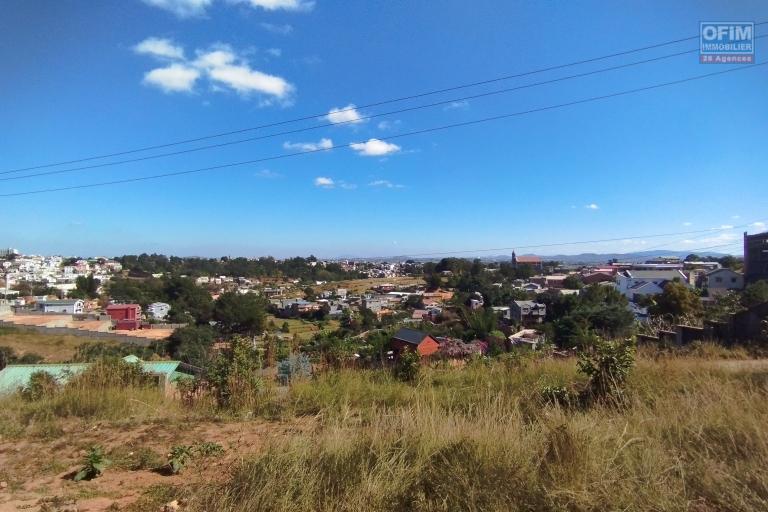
(408, 366)
(607, 364)
(208, 449)
(94, 464)
(178, 458)
(557, 395)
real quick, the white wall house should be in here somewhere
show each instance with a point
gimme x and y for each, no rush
(158, 310)
(633, 283)
(723, 279)
(65, 307)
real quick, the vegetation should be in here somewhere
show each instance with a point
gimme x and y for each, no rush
(94, 464)
(293, 268)
(482, 438)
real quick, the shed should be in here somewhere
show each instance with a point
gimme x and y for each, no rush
(15, 376)
(411, 339)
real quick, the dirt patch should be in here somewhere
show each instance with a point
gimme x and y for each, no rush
(38, 469)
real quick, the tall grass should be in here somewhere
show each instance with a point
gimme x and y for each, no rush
(107, 391)
(481, 438)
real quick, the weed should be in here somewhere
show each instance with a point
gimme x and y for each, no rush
(94, 464)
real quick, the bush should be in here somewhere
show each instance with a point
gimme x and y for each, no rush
(607, 364)
(41, 385)
(112, 373)
(408, 366)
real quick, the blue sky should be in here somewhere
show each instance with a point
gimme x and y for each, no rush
(85, 78)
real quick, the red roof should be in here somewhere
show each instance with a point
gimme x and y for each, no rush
(527, 259)
(122, 306)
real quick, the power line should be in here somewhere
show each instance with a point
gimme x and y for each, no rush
(390, 137)
(363, 118)
(368, 105)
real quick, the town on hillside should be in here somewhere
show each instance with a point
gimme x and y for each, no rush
(370, 313)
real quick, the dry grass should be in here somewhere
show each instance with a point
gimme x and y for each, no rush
(356, 286)
(53, 348)
(691, 437)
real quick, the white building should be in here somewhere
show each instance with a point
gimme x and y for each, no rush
(65, 307)
(633, 283)
(158, 310)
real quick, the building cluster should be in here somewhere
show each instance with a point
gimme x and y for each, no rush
(55, 272)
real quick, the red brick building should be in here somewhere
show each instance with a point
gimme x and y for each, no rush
(411, 339)
(125, 316)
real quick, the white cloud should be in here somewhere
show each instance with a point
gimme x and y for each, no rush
(347, 186)
(309, 146)
(224, 68)
(384, 184)
(276, 5)
(267, 174)
(245, 80)
(388, 125)
(375, 147)
(725, 226)
(592, 206)
(687, 223)
(717, 239)
(323, 182)
(173, 78)
(735, 217)
(348, 114)
(159, 47)
(455, 105)
(274, 52)
(182, 8)
(758, 225)
(282, 30)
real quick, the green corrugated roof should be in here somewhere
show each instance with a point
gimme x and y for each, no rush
(15, 376)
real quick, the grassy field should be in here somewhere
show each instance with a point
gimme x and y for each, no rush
(53, 348)
(356, 286)
(690, 436)
(304, 328)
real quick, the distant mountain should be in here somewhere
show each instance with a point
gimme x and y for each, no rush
(592, 258)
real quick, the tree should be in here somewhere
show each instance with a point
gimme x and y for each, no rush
(310, 294)
(86, 287)
(434, 281)
(573, 282)
(185, 296)
(234, 375)
(754, 294)
(677, 300)
(285, 328)
(192, 344)
(415, 301)
(240, 313)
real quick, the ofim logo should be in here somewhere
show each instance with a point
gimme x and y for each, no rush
(727, 42)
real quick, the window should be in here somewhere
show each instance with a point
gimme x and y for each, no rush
(718, 279)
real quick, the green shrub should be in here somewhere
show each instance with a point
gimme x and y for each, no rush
(407, 366)
(94, 464)
(607, 364)
(178, 458)
(41, 385)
